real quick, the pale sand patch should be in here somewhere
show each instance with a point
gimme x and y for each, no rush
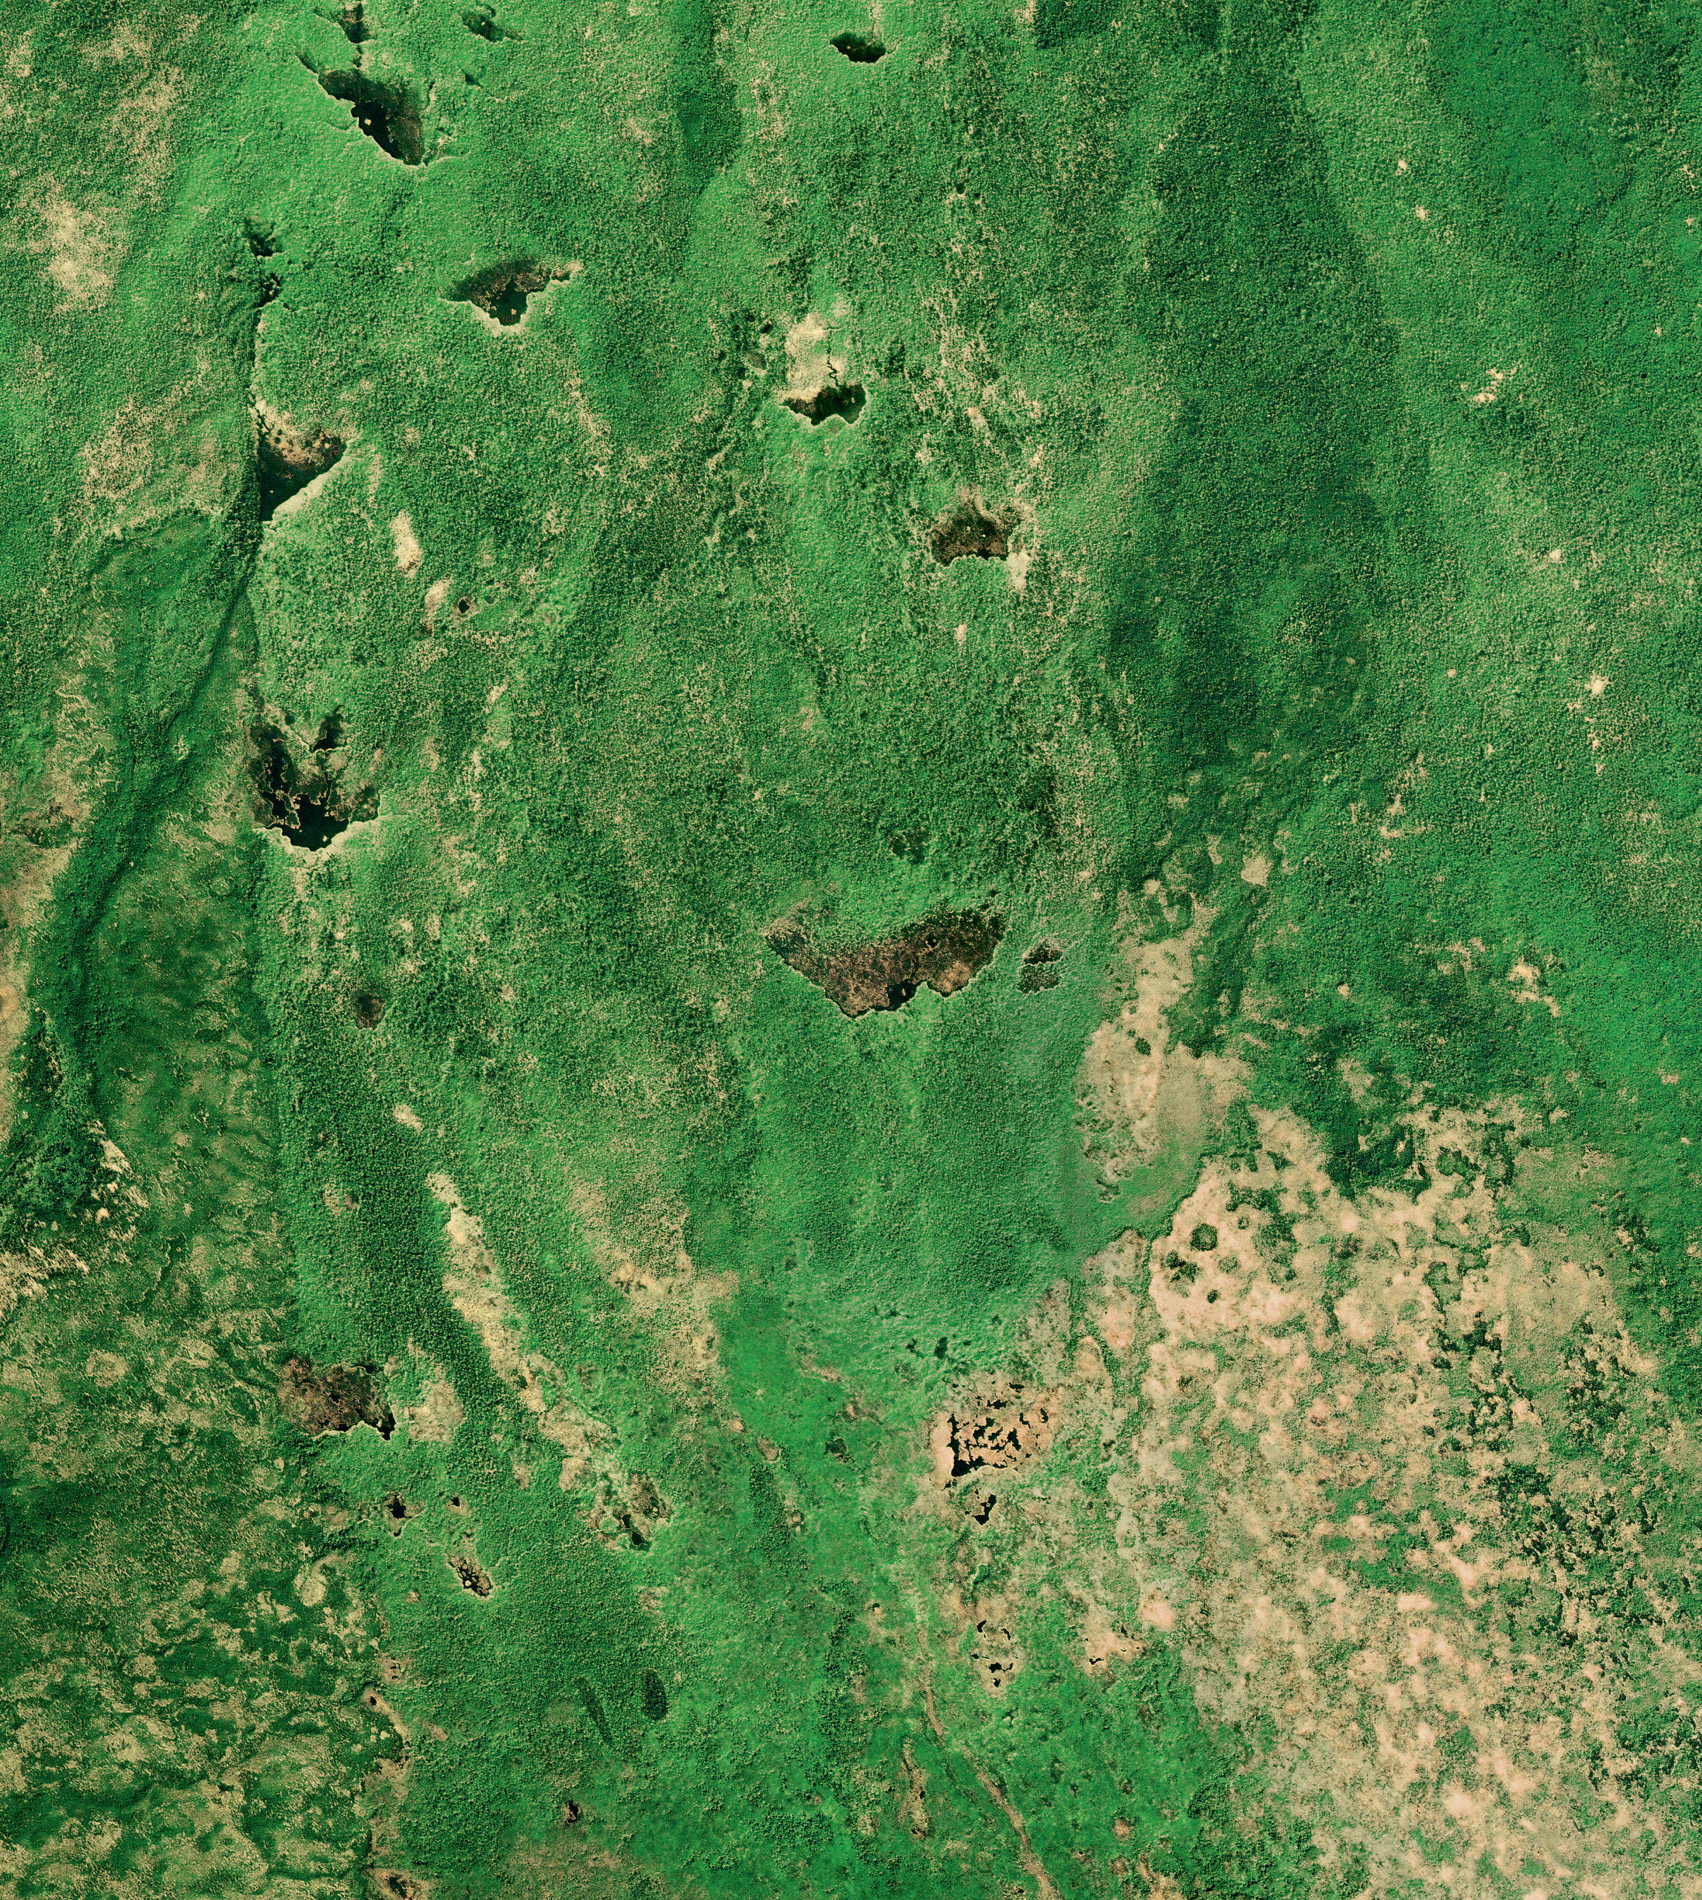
(1526, 981)
(128, 41)
(1278, 1378)
(810, 367)
(596, 429)
(474, 1285)
(151, 460)
(438, 1416)
(1118, 1275)
(1300, 1396)
(121, 458)
(137, 124)
(645, 1257)
(409, 553)
(24, 1275)
(83, 246)
(105, 1368)
(1106, 1640)
(1145, 1094)
(436, 594)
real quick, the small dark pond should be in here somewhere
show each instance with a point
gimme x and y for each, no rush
(832, 399)
(305, 801)
(502, 290)
(968, 529)
(289, 462)
(861, 51)
(386, 114)
(482, 21)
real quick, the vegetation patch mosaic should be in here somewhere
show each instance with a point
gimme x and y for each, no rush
(851, 949)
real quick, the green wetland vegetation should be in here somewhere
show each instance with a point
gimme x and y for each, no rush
(850, 1005)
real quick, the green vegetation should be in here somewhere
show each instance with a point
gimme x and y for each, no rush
(849, 864)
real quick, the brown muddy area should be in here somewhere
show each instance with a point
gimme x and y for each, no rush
(942, 952)
(966, 528)
(332, 1399)
(474, 1576)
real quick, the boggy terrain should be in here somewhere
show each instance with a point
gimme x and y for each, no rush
(848, 896)
(943, 951)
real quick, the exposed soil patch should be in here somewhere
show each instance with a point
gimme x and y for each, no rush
(369, 1011)
(289, 460)
(474, 1576)
(482, 21)
(333, 1399)
(352, 20)
(409, 553)
(966, 528)
(386, 114)
(832, 399)
(857, 49)
(501, 292)
(304, 798)
(943, 951)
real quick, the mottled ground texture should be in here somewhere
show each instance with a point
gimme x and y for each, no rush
(850, 1004)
